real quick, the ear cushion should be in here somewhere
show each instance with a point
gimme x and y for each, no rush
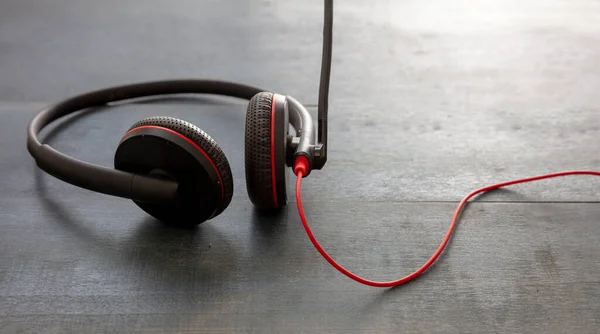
(265, 141)
(206, 144)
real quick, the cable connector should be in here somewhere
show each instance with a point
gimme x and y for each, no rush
(301, 165)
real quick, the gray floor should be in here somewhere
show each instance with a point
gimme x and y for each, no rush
(429, 101)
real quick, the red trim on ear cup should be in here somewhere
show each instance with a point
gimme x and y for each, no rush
(273, 179)
(189, 141)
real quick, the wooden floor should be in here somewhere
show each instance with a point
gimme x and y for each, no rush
(429, 100)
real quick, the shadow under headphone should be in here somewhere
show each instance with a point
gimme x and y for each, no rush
(173, 170)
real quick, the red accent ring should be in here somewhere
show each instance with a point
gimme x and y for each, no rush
(273, 178)
(189, 141)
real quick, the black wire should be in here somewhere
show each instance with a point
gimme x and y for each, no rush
(325, 67)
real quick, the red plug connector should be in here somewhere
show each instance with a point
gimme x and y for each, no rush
(301, 166)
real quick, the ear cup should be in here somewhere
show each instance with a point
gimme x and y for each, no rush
(265, 151)
(175, 149)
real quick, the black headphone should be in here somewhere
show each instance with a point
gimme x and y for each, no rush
(173, 170)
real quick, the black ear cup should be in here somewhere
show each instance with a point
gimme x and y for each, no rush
(175, 149)
(265, 151)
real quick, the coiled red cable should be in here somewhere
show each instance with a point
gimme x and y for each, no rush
(300, 169)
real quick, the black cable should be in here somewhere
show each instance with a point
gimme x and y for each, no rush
(325, 72)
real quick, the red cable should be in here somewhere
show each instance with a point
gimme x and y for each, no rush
(301, 167)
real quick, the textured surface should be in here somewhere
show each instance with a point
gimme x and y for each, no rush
(257, 151)
(429, 100)
(205, 142)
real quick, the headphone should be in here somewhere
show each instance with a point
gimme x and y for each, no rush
(173, 170)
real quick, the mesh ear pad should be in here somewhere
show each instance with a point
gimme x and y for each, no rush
(209, 159)
(265, 139)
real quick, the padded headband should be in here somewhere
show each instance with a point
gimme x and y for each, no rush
(118, 183)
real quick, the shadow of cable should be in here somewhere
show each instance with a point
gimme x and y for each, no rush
(375, 304)
(433, 268)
